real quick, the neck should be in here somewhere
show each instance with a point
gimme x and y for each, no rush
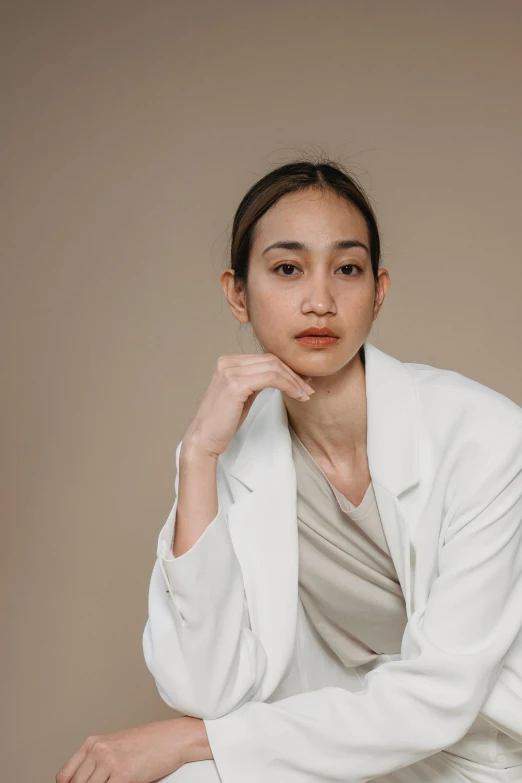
(332, 423)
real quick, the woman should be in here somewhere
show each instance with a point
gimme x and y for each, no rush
(338, 589)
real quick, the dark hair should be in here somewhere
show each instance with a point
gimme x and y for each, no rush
(294, 177)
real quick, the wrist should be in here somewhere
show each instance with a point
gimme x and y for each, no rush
(193, 450)
(195, 744)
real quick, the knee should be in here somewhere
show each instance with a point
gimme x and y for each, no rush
(194, 772)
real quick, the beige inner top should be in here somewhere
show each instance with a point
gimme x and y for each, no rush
(348, 584)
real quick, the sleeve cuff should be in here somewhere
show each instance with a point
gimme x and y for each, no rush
(199, 570)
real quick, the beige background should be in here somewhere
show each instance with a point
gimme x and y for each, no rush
(131, 131)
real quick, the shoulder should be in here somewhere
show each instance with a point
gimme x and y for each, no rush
(449, 393)
(470, 433)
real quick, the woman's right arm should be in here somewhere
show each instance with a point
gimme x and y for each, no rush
(197, 642)
(198, 493)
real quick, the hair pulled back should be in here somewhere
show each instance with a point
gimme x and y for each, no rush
(294, 177)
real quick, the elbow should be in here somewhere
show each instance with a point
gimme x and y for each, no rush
(444, 705)
(452, 719)
(203, 700)
(238, 686)
(222, 690)
(213, 688)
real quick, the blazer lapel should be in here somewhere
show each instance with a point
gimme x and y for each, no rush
(262, 518)
(393, 452)
(263, 529)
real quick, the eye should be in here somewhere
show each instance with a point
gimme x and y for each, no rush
(287, 265)
(353, 266)
(345, 266)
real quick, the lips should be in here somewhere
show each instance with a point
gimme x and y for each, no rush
(316, 331)
(317, 337)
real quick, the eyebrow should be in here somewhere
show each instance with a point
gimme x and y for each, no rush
(340, 244)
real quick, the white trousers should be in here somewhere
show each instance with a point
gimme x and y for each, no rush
(316, 666)
(441, 768)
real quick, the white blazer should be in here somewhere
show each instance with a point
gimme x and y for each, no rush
(445, 458)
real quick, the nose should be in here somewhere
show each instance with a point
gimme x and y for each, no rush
(318, 296)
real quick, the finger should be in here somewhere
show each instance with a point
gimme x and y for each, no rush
(275, 364)
(84, 772)
(273, 376)
(247, 360)
(66, 773)
(276, 379)
(299, 378)
(295, 376)
(100, 775)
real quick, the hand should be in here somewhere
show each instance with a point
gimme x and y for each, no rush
(142, 754)
(236, 382)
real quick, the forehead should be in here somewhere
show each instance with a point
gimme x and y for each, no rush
(314, 215)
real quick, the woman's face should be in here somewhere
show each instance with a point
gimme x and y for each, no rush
(314, 282)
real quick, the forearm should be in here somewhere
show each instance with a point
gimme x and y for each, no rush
(197, 497)
(196, 746)
(199, 669)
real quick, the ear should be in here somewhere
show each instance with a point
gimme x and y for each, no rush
(382, 284)
(235, 295)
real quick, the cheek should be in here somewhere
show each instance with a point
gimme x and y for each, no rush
(268, 307)
(358, 306)
(271, 317)
(273, 307)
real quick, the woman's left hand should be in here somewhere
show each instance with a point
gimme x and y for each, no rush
(138, 755)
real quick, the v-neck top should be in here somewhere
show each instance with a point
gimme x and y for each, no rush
(348, 584)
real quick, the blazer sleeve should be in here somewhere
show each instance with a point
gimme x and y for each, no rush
(413, 707)
(198, 669)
